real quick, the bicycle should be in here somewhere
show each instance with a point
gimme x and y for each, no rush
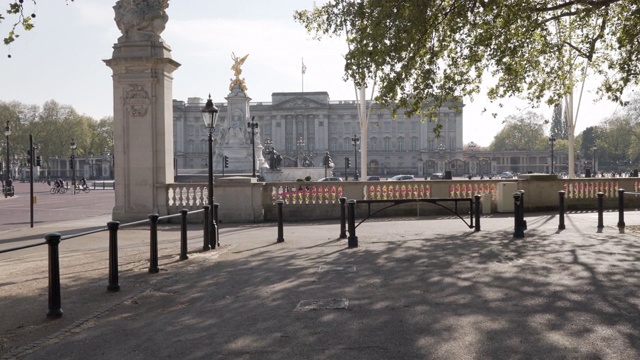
(58, 190)
(82, 187)
(8, 191)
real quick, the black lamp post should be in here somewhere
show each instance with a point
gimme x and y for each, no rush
(108, 157)
(210, 117)
(253, 126)
(73, 147)
(552, 141)
(472, 147)
(441, 151)
(7, 132)
(595, 171)
(91, 162)
(355, 140)
(300, 145)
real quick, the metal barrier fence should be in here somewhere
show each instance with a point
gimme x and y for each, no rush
(210, 240)
(104, 185)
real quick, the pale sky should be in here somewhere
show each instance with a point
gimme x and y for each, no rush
(61, 59)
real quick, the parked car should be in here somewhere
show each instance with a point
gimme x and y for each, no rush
(373, 178)
(332, 178)
(403, 177)
(506, 175)
(436, 176)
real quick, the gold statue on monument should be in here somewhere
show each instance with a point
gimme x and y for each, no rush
(237, 70)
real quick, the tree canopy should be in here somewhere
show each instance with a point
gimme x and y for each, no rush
(521, 132)
(419, 51)
(16, 12)
(559, 123)
(53, 127)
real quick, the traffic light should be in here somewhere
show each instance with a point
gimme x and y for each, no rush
(70, 163)
(226, 161)
(29, 154)
(347, 162)
(38, 160)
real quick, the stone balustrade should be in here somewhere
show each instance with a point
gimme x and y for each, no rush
(304, 194)
(249, 201)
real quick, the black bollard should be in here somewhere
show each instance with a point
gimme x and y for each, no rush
(206, 246)
(216, 226)
(55, 302)
(280, 239)
(523, 222)
(352, 241)
(343, 220)
(476, 210)
(113, 256)
(518, 230)
(183, 234)
(153, 244)
(621, 209)
(561, 210)
(600, 211)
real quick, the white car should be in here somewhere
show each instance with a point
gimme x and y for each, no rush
(506, 175)
(333, 178)
(402, 177)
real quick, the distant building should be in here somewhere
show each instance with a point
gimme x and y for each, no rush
(400, 146)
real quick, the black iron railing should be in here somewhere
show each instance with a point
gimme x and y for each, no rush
(54, 239)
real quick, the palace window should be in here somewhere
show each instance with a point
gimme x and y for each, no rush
(333, 145)
(387, 144)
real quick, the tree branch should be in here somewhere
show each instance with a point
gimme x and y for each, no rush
(589, 3)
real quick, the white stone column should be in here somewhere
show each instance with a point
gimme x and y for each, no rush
(142, 111)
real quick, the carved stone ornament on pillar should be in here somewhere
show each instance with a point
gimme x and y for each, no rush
(137, 101)
(141, 20)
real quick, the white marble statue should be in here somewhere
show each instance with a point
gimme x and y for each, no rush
(141, 20)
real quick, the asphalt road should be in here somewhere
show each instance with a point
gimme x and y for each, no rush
(50, 209)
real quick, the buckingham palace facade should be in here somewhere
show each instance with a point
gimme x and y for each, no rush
(312, 123)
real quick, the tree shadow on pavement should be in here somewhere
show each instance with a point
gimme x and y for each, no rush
(414, 294)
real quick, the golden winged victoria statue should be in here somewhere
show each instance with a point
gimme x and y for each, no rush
(237, 70)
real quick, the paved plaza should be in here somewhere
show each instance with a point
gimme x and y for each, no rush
(413, 289)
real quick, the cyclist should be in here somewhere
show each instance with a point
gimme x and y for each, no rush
(7, 188)
(83, 183)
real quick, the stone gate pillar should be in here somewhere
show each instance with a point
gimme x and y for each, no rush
(142, 110)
